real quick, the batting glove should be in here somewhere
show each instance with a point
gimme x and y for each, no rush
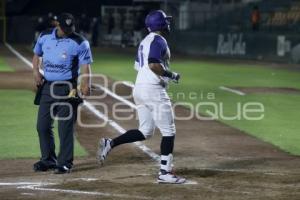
(175, 77)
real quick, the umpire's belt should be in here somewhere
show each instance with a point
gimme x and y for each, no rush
(63, 83)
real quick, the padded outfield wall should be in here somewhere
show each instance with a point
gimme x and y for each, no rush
(250, 45)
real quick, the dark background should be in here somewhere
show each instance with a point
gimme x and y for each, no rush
(206, 19)
(76, 7)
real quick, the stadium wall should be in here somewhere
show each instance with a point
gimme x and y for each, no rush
(20, 29)
(267, 46)
(244, 45)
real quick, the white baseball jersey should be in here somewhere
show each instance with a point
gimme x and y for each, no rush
(153, 103)
(153, 49)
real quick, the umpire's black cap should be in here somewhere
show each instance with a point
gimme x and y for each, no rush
(66, 22)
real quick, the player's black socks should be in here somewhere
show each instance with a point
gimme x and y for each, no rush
(128, 137)
(167, 145)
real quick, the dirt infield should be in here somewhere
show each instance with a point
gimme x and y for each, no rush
(224, 162)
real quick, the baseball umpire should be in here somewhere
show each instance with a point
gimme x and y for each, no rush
(153, 103)
(63, 54)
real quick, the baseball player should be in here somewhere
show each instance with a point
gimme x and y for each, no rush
(150, 95)
(64, 54)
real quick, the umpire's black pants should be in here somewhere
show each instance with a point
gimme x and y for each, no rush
(52, 106)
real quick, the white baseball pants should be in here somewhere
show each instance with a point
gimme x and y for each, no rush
(154, 109)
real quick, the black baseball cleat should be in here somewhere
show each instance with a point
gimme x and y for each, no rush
(40, 166)
(62, 170)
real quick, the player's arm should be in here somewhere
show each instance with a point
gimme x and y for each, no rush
(156, 55)
(159, 70)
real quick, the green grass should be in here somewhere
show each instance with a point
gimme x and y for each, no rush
(212, 74)
(280, 124)
(204, 74)
(18, 135)
(119, 67)
(4, 67)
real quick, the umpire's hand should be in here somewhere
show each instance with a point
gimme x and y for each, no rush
(85, 81)
(85, 90)
(38, 78)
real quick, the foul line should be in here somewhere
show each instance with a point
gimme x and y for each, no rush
(128, 83)
(99, 114)
(22, 183)
(114, 95)
(232, 90)
(39, 188)
(26, 61)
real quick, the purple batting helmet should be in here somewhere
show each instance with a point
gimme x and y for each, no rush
(157, 20)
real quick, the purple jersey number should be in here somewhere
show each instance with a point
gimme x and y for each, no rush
(141, 56)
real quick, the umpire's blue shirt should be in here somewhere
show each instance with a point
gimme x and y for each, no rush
(62, 56)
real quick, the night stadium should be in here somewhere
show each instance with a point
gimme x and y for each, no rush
(150, 99)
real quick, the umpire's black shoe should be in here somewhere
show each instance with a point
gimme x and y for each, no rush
(62, 170)
(40, 166)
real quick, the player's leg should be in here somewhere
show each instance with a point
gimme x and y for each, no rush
(46, 138)
(164, 119)
(146, 130)
(66, 122)
(146, 127)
